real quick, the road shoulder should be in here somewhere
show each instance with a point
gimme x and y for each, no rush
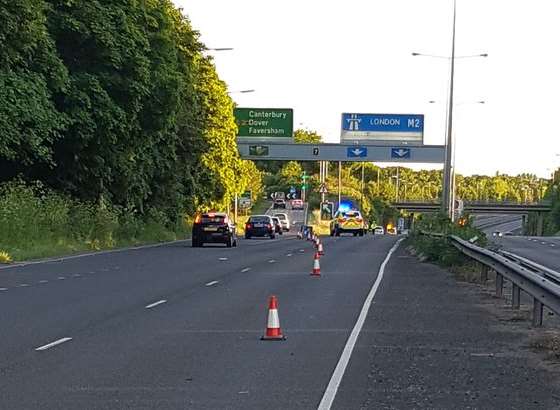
(429, 342)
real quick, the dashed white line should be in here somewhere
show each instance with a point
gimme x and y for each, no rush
(159, 302)
(2, 289)
(212, 283)
(43, 281)
(76, 275)
(61, 278)
(23, 285)
(222, 259)
(288, 255)
(55, 343)
(272, 261)
(245, 270)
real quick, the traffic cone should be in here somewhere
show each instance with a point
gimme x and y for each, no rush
(317, 241)
(273, 331)
(320, 249)
(316, 266)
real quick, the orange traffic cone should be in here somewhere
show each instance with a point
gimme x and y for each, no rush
(320, 249)
(317, 241)
(273, 331)
(316, 266)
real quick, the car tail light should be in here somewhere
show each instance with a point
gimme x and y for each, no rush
(341, 219)
(358, 219)
(197, 219)
(269, 226)
(211, 214)
(247, 225)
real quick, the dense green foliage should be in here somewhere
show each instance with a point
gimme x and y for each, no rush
(37, 222)
(115, 103)
(439, 249)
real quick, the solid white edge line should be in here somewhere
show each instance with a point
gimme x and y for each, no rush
(84, 255)
(159, 302)
(336, 378)
(55, 343)
(212, 283)
(245, 270)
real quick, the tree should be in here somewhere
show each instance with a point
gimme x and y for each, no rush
(30, 73)
(306, 137)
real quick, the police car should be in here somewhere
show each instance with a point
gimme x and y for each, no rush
(347, 221)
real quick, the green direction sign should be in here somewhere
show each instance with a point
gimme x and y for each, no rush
(264, 123)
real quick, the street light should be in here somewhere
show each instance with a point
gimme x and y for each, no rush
(447, 199)
(241, 92)
(217, 49)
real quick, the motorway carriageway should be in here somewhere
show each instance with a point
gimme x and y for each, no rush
(176, 327)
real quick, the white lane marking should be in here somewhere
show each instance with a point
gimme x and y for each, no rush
(159, 302)
(543, 243)
(43, 281)
(334, 383)
(288, 255)
(3, 288)
(302, 250)
(76, 275)
(55, 343)
(212, 283)
(23, 285)
(272, 261)
(61, 278)
(222, 259)
(245, 270)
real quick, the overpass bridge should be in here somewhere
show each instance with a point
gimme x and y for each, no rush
(485, 207)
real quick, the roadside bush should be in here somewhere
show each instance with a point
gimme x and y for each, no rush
(36, 222)
(440, 249)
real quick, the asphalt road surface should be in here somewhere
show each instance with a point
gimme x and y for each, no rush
(544, 250)
(175, 327)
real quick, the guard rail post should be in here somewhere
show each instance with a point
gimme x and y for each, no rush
(499, 285)
(484, 273)
(537, 313)
(515, 296)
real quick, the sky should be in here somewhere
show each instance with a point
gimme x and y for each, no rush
(323, 58)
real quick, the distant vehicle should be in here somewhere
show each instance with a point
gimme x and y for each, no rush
(297, 204)
(391, 230)
(284, 220)
(277, 225)
(214, 227)
(260, 225)
(279, 195)
(378, 230)
(497, 233)
(350, 221)
(279, 203)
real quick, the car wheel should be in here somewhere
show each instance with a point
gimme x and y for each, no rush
(194, 243)
(362, 232)
(235, 243)
(337, 232)
(247, 236)
(331, 233)
(229, 242)
(272, 236)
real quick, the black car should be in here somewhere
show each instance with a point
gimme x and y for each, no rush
(260, 225)
(279, 203)
(214, 227)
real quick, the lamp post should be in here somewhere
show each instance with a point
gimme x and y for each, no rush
(447, 197)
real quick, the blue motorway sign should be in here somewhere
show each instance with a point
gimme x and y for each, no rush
(383, 127)
(292, 190)
(356, 152)
(400, 153)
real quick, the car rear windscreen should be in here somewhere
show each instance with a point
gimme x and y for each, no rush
(280, 216)
(213, 219)
(352, 214)
(261, 219)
